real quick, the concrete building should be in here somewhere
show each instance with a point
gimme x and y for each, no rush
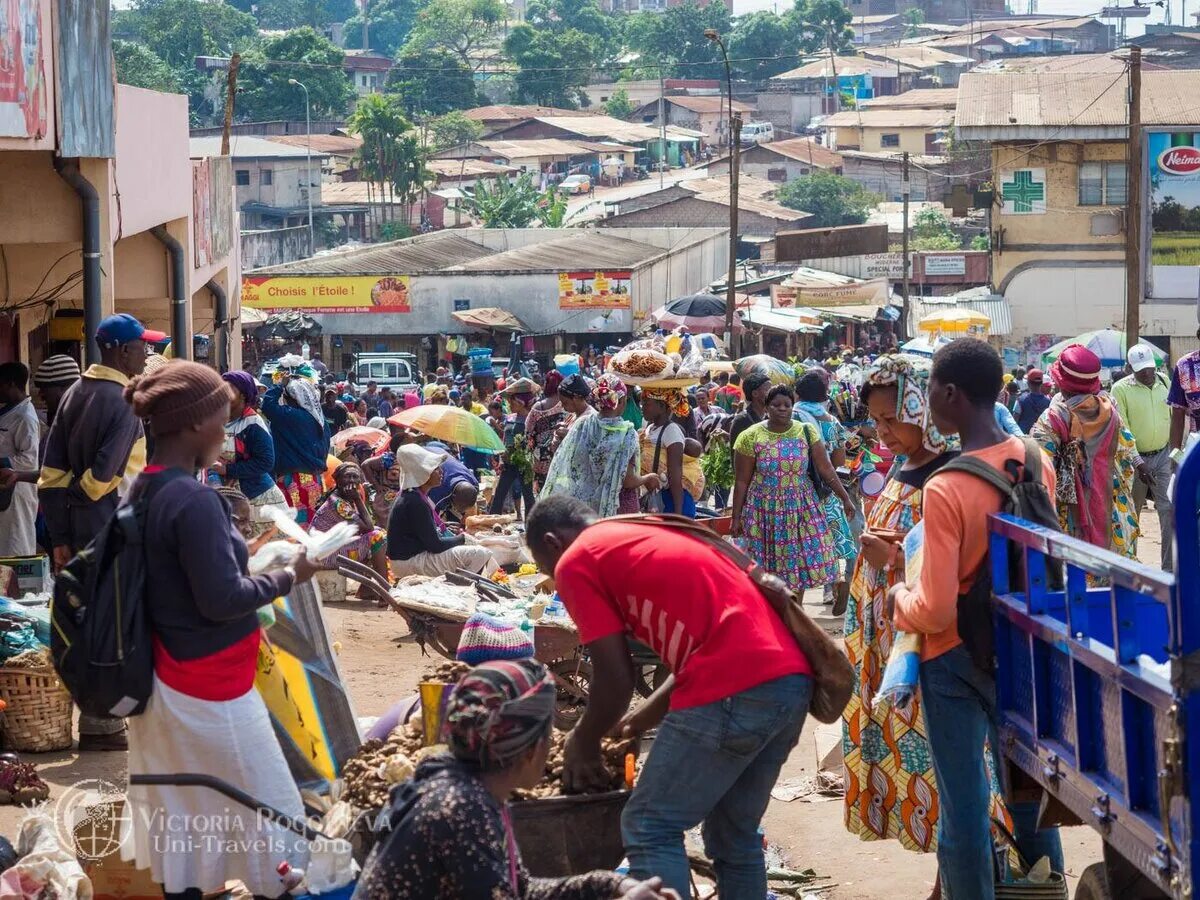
(781, 160)
(101, 208)
(1026, 35)
(882, 28)
(934, 66)
(922, 131)
(708, 115)
(552, 157)
(643, 91)
(1059, 168)
(367, 70)
(563, 284)
(794, 98)
(493, 118)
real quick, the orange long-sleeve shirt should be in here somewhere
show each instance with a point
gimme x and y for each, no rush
(956, 507)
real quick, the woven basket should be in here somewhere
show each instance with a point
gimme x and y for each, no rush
(38, 716)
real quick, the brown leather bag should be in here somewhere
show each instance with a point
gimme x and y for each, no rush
(833, 676)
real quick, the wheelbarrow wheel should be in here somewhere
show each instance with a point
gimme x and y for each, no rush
(650, 678)
(574, 680)
(1093, 884)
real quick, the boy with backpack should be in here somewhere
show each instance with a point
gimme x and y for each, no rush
(950, 606)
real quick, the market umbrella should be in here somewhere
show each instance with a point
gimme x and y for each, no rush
(1107, 343)
(490, 317)
(696, 312)
(375, 438)
(957, 321)
(451, 424)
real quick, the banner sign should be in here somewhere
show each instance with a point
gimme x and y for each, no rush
(594, 290)
(945, 265)
(328, 293)
(1174, 162)
(874, 292)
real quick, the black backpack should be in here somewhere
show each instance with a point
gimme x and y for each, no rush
(1023, 495)
(100, 639)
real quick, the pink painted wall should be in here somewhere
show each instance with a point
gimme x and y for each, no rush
(153, 172)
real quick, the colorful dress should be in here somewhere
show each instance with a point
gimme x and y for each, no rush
(833, 435)
(1090, 447)
(782, 523)
(890, 786)
(541, 425)
(592, 461)
(337, 509)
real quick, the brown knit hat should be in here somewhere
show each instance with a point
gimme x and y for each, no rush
(179, 394)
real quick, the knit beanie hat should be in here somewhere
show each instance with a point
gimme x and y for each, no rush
(485, 639)
(55, 371)
(177, 395)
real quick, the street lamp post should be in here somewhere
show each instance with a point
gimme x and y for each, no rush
(735, 140)
(312, 247)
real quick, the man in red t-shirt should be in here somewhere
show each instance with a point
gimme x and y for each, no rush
(730, 713)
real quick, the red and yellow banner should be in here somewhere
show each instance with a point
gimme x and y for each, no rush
(594, 290)
(328, 294)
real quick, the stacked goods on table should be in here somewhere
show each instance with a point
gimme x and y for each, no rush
(661, 361)
(512, 599)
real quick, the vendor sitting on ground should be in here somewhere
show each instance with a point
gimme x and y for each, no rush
(447, 832)
(457, 505)
(418, 541)
(347, 503)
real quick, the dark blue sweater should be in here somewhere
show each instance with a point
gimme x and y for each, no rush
(256, 458)
(301, 445)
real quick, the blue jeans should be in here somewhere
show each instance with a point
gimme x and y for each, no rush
(714, 764)
(960, 714)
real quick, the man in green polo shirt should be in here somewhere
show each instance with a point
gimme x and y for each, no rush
(1142, 401)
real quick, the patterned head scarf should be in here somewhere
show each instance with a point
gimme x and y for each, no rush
(305, 395)
(676, 400)
(910, 376)
(245, 384)
(498, 711)
(574, 386)
(609, 393)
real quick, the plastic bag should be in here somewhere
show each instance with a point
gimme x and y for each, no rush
(331, 865)
(47, 868)
(38, 617)
(776, 370)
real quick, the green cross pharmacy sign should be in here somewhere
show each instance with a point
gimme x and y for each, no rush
(1024, 192)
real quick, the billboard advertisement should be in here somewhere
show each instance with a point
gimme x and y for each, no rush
(594, 290)
(328, 293)
(1174, 162)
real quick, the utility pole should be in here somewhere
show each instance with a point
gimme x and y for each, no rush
(904, 192)
(735, 154)
(366, 28)
(662, 129)
(230, 93)
(1133, 204)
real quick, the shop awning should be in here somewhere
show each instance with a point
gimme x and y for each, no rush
(490, 317)
(791, 321)
(980, 299)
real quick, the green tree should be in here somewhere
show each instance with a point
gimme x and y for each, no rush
(832, 199)
(676, 38)
(584, 16)
(263, 88)
(177, 31)
(391, 157)
(914, 18)
(138, 65)
(619, 106)
(552, 208)
(757, 38)
(452, 130)
(505, 204)
(981, 242)
(432, 81)
(553, 66)
(931, 231)
(389, 23)
(286, 14)
(460, 26)
(823, 25)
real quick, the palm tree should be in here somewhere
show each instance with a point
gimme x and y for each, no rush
(378, 121)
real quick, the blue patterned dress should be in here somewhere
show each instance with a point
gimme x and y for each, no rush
(783, 525)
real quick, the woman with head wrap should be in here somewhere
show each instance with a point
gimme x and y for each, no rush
(1094, 455)
(516, 471)
(248, 456)
(541, 424)
(664, 452)
(447, 830)
(293, 407)
(896, 796)
(348, 503)
(204, 715)
(597, 461)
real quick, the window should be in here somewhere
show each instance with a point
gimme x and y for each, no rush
(1102, 184)
(266, 176)
(779, 174)
(889, 140)
(242, 177)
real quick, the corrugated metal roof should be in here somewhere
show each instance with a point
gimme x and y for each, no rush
(581, 250)
(919, 57)
(334, 144)
(535, 147)
(979, 300)
(768, 208)
(243, 146)
(802, 150)
(465, 168)
(707, 104)
(1086, 63)
(779, 320)
(891, 118)
(921, 98)
(845, 65)
(516, 113)
(408, 257)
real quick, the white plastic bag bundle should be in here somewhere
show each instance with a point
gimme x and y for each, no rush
(46, 867)
(331, 865)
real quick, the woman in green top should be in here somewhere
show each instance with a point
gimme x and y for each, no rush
(775, 508)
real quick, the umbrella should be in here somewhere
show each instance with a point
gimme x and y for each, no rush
(696, 312)
(1107, 343)
(959, 320)
(924, 346)
(451, 424)
(375, 438)
(490, 317)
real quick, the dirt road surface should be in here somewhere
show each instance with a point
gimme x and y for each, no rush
(380, 663)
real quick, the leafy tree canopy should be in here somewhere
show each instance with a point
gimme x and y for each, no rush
(822, 25)
(264, 91)
(759, 36)
(453, 129)
(931, 231)
(516, 204)
(432, 81)
(281, 14)
(389, 23)
(554, 66)
(177, 31)
(460, 26)
(584, 16)
(676, 37)
(832, 199)
(139, 66)
(619, 106)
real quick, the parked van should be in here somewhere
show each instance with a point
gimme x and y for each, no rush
(757, 133)
(397, 371)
